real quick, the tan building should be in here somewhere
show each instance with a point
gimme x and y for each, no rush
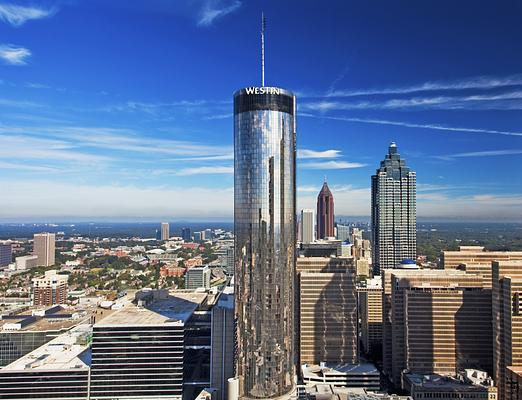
(370, 314)
(436, 322)
(50, 290)
(44, 248)
(476, 255)
(165, 235)
(327, 310)
(507, 320)
(513, 383)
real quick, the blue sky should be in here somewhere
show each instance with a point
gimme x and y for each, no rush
(122, 109)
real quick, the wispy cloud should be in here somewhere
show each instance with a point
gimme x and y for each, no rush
(486, 153)
(25, 167)
(18, 15)
(14, 55)
(414, 125)
(331, 165)
(306, 153)
(215, 9)
(205, 171)
(480, 82)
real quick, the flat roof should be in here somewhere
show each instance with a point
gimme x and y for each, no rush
(442, 383)
(69, 351)
(176, 308)
(338, 369)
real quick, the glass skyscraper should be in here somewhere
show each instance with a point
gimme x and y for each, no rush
(265, 229)
(394, 212)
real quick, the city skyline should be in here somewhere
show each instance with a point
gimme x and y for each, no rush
(120, 127)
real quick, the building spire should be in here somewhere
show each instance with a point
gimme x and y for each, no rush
(263, 24)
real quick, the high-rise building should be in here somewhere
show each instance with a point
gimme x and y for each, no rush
(50, 290)
(165, 235)
(230, 260)
(507, 321)
(325, 213)
(435, 322)
(394, 215)
(198, 236)
(327, 310)
(197, 277)
(370, 314)
(343, 232)
(44, 248)
(307, 226)
(265, 229)
(186, 234)
(6, 254)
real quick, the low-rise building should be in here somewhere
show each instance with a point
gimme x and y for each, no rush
(363, 375)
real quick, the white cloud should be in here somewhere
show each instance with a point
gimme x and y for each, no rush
(14, 55)
(19, 15)
(215, 9)
(25, 167)
(306, 153)
(414, 125)
(331, 165)
(486, 153)
(205, 171)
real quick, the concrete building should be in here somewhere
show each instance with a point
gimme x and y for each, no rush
(6, 254)
(435, 322)
(165, 234)
(513, 387)
(330, 392)
(342, 232)
(394, 212)
(325, 213)
(370, 315)
(198, 277)
(222, 353)
(56, 370)
(138, 350)
(307, 226)
(322, 248)
(327, 310)
(507, 320)
(50, 290)
(44, 248)
(365, 376)
(468, 384)
(26, 262)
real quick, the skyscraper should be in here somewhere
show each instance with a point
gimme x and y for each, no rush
(307, 226)
(186, 234)
(265, 228)
(6, 254)
(44, 248)
(325, 213)
(50, 290)
(394, 214)
(165, 235)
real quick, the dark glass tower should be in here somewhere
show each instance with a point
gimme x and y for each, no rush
(325, 213)
(265, 229)
(394, 212)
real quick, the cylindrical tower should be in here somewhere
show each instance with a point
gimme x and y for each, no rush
(265, 237)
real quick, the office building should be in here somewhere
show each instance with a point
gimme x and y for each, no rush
(327, 310)
(307, 226)
(198, 236)
(230, 261)
(208, 234)
(435, 322)
(322, 248)
(222, 354)
(343, 232)
(513, 388)
(364, 376)
(325, 213)
(468, 384)
(6, 254)
(26, 262)
(198, 277)
(138, 351)
(265, 229)
(186, 234)
(329, 392)
(50, 290)
(44, 248)
(507, 320)
(165, 234)
(394, 216)
(370, 315)
(56, 370)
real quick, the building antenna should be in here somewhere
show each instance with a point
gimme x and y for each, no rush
(263, 24)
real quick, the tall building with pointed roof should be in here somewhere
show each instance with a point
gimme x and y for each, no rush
(394, 212)
(325, 213)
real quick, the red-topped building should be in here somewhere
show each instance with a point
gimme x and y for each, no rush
(325, 213)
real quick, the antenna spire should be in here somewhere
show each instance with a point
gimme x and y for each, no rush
(263, 23)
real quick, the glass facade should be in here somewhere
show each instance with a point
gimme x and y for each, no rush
(265, 229)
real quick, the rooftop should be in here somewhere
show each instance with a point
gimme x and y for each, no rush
(69, 351)
(310, 371)
(156, 308)
(442, 383)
